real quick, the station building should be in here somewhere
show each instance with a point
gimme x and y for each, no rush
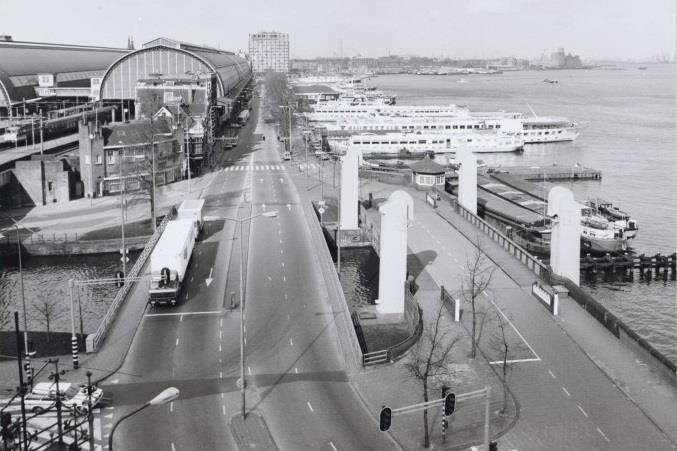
(40, 76)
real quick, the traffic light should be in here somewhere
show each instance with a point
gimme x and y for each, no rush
(449, 403)
(120, 278)
(386, 417)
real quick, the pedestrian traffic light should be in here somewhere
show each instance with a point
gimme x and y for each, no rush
(120, 279)
(386, 416)
(449, 403)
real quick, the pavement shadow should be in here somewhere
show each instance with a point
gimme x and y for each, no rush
(416, 264)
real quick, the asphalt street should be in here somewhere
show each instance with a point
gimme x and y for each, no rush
(294, 367)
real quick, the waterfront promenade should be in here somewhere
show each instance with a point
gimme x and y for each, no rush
(567, 397)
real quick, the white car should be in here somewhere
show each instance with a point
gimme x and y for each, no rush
(43, 397)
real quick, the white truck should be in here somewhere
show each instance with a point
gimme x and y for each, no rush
(192, 209)
(169, 261)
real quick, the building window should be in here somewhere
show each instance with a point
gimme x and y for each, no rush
(49, 186)
(111, 158)
(87, 160)
(98, 159)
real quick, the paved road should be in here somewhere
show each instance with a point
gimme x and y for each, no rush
(566, 401)
(294, 367)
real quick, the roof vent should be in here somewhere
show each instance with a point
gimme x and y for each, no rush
(6, 38)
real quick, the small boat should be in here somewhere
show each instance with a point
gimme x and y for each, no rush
(618, 218)
(551, 81)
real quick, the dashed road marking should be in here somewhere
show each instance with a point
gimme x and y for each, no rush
(173, 447)
(171, 406)
(249, 370)
(565, 391)
(552, 374)
(310, 407)
(220, 374)
(603, 435)
(282, 263)
(291, 341)
(296, 370)
(177, 342)
(219, 347)
(223, 408)
(582, 411)
(332, 446)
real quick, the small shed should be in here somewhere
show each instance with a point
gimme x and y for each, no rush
(426, 173)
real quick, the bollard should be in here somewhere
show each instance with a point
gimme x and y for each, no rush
(74, 352)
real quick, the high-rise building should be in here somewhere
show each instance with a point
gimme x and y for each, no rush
(269, 50)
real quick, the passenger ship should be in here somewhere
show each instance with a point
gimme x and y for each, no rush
(542, 129)
(336, 111)
(483, 140)
(461, 123)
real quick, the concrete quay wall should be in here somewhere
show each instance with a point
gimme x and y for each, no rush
(38, 247)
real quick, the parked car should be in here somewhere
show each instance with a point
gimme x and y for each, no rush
(287, 156)
(43, 397)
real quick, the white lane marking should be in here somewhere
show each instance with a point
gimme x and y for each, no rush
(281, 180)
(220, 374)
(223, 408)
(514, 328)
(497, 362)
(332, 446)
(280, 241)
(582, 411)
(552, 374)
(281, 251)
(223, 395)
(249, 370)
(177, 342)
(220, 334)
(296, 370)
(212, 312)
(171, 406)
(289, 207)
(309, 406)
(270, 278)
(244, 329)
(245, 341)
(282, 266)
(220, 325)
(181, 318)
(565, 391)
(291, 341)
(173, 447)
(219, 347)
(603, 435)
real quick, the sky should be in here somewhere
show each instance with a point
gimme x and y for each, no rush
(593, 29)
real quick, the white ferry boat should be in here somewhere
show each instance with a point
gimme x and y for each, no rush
(461, 123)
(335, 111)
(544, 129)
(486, 140)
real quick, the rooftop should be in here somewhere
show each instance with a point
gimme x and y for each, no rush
(427, 166)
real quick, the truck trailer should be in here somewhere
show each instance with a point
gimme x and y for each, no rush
(169, 261)
(192, 209)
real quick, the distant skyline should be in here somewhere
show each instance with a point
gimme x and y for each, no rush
(620, 29)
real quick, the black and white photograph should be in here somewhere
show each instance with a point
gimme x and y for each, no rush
(338, 225)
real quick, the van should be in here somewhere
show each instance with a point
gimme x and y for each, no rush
(287, 156)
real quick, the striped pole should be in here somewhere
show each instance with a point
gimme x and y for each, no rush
(27, 368)
(74, 338)
(74, 349)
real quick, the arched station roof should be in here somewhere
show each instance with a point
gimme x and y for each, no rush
(71, 65)
(168, 57)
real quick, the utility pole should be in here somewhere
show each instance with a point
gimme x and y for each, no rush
(487, 418)
(59, 419)
(22, 388)
(122, 212)
(338, 235)
(90, 415)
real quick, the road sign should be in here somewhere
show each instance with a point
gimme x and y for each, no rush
(321, 210)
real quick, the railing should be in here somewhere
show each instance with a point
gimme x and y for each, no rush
(414, 317)
(531, 262)
(121, 296)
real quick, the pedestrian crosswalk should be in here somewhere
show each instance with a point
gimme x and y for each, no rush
(41, 429)
(266, 167)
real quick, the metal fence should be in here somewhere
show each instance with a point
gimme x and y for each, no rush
(529, 260)
(121, 296)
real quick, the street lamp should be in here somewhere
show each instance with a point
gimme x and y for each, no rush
(167, 395)
(243, 383)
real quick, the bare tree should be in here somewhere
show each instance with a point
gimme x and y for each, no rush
(430, 359)
(477, 278)
(47, 310)
(500, 343)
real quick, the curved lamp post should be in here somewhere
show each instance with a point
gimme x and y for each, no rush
(166, 396)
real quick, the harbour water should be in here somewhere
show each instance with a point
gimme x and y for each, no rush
(45, 281)
(630, 137)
